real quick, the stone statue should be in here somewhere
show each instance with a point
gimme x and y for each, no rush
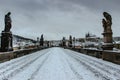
(42, 40)
(6, 35)
(107, 34)
(7, 22)
(107, 22)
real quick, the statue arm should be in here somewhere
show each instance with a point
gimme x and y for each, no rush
(104, 22)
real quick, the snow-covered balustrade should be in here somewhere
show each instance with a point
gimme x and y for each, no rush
(5, 56)
(89, 51)
(109, 55)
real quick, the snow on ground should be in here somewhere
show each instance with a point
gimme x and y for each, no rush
(58, 64)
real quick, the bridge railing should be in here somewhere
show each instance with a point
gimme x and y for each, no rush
(109, 55)
(5, 56)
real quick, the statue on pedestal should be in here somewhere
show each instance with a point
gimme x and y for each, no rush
(107, 34)
(6, 35)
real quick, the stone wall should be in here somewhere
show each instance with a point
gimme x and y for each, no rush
(108, 55)
(6, 56)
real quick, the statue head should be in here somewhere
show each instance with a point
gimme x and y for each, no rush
(8, 13)
(108, 17)
(105, 14)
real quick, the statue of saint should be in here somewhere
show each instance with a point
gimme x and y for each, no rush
(7, 22)
(107, 22)
(104, 25)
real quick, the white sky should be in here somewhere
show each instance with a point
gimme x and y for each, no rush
(58, 18)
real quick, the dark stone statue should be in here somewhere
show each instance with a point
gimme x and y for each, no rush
(6, 35)
(7, 22)
(107, 34)
(107, 22)
(64, 42)
(42, 40)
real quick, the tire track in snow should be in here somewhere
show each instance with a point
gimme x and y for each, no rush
(93, 70)
(79, 77)
(90, 67)
(21, 67)
(111, 71)
(74, 71)
(16, 61)
(37, 70)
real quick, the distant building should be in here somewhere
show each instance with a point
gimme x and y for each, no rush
(90, 40)
(55, 42)
(20, 42)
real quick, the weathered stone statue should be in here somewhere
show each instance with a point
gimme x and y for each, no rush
(107, 34)
(42, 40)
(64, 42)
(7, 22)
(107, 22)
(6, 35)
(70, 41)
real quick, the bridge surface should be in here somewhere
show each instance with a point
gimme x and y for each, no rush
(58, 64)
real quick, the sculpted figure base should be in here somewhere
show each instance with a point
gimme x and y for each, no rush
(107, 34)
(6, 35)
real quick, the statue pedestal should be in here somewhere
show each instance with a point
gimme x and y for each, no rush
(108, 42)
(6, 41)
(107, 46)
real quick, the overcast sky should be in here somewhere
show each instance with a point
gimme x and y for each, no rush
(58, 18)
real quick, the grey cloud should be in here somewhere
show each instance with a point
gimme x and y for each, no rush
(59, 17)
(36, 5)
(100, 4)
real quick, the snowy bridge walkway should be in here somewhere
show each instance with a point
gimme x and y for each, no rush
(58, 64)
